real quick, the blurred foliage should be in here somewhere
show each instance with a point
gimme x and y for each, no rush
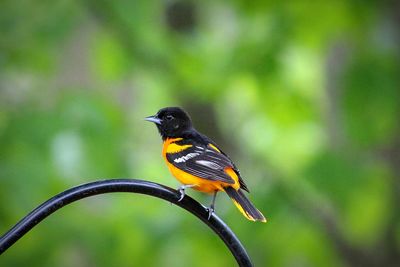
(304, 96)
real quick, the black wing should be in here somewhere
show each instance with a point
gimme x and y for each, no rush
(204, 162)
(241, 182)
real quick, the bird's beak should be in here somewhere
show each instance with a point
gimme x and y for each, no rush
(153, 119)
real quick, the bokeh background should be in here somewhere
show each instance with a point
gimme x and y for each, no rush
(304, 96)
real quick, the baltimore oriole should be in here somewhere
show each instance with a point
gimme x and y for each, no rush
(198, 163)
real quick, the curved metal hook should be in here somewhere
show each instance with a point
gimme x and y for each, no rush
(126, 185)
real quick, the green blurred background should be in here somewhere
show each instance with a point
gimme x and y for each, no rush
(305, 97)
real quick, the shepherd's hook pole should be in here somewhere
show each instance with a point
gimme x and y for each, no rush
(132, 186)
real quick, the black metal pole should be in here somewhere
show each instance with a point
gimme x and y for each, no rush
(126, 185)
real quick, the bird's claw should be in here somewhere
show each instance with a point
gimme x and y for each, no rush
(210, 210)
(182, 193)
(181, 190)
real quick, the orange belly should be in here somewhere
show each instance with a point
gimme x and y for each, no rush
(203, 185)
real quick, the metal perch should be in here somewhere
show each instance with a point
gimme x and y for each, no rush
(126, 185)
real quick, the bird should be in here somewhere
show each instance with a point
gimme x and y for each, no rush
(197, 162)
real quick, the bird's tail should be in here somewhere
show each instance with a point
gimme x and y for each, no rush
(244, 205)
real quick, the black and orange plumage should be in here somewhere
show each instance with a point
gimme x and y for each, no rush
(198, 163)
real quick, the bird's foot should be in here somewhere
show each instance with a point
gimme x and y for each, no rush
(182, 193)
(182, 189)
(210, 210)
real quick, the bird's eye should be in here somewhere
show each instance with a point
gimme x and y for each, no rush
(169, 117)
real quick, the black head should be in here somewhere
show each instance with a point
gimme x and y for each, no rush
(171, 122)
